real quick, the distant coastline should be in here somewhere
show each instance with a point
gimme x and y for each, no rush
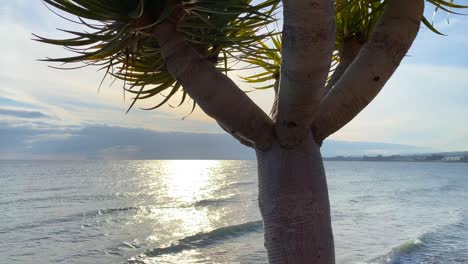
(459, 157)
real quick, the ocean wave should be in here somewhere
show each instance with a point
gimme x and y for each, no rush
(101, 212)
(110, 211)
(241, 183)
(61, 198)
(211, 202)
(39, 224)
(113, 210)
(439, 189)
(53, 189)
(444, 244)
(208, 238)
(69, 218)
(112, 196)
(394, 257)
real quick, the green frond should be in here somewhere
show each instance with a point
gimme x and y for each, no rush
(267, 59)
(114, 38)
(356, 19)
(234, 34)
(445, 6)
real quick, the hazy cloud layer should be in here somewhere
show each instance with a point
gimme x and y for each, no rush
(106, 142)
(22, 114)
(15, 103)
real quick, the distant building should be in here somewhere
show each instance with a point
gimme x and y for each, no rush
(453, 158)
(465, 159)
(435, 157)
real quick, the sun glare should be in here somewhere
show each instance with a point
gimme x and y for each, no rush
(188, 180)
(182, 184)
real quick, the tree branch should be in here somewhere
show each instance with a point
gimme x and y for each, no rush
(308, 42)
(348, 52)
(374, 65)
(274, 107)
(241, 140)
(216, 94)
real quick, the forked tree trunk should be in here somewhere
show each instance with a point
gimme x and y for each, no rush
(294, 204)
(293, 193)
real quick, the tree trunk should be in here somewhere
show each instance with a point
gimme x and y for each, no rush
(294, 204)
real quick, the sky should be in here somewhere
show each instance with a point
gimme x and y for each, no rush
(42, 109)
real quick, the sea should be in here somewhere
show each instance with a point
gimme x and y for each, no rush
(207, 212)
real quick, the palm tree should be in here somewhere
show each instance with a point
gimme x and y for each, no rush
(326, 65)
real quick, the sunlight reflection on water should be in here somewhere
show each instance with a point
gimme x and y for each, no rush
(188, 181)
(183, 184)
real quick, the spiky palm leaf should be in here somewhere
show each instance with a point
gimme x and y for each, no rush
(224, 31)
(268, 61)
(355, 19)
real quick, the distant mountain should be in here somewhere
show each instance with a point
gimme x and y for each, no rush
(106, 142)
(332, 148)
(455, 153)
(430, 157)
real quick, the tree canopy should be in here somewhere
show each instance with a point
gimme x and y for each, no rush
(234, 34)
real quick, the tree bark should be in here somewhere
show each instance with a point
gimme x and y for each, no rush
(293, 199)
(293, 192)
(216, 94)
(307, 49)
(348, 53)
(241, 140)
(375, 64)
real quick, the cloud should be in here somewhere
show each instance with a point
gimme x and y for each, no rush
(120, 152)
(110, 142)
(22, 114)
(71, 96)
(332, 148)
(120, 143)
(423, 105)
(4, 101)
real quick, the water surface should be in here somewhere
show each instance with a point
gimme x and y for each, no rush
(207, 212)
